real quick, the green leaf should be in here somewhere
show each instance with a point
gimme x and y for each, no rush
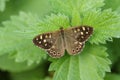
(118, 66)
(91, 64)
(16, 37)
(114, 4)
(112, 77)
(67, 6)
(2, 5)
(22, 29)
(53, 22)
(76, 18)
(114, 50)
(38, 73)
(48, 78)
(8, 64)
(105, 23)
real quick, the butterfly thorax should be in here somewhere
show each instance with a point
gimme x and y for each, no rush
(62, 32)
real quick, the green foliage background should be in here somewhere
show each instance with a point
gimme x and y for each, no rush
(22, 20)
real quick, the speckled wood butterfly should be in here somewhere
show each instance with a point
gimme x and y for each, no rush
(71, 39)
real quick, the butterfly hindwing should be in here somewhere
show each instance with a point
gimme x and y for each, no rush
(57, 50)
(73, 46)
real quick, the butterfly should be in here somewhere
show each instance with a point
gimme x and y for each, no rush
(72, 40)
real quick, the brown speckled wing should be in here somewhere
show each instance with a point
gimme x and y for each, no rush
(51, 42)
(71, 39)
(75, 38)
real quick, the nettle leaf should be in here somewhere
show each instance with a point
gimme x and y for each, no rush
(30, 27)
(53, 22)
(67, 6)
(105, 23)
(91, 64)
(83, 12)
(2, 5)
(16, 37)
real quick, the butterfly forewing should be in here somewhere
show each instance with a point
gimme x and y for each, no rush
(51, 42)
(44, 40)
(76, 37)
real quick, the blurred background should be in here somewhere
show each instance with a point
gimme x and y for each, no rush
(11, 70)
(13, 7)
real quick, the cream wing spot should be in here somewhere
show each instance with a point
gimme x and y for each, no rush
(86, 32)
(82, 37)
(79, 46)
(51, 51)
(44, 40)
(39, 42)
(37, 39)
(75, 42)
(75, 31)
(46, 36)
(83, 28)
(50, 36)
(40, 36)
(45, 44)
(80, 43)
(78, 29)
(53, 46)
(81, 33)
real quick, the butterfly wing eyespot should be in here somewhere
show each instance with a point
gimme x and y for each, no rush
(73, 47)
(57, 50)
